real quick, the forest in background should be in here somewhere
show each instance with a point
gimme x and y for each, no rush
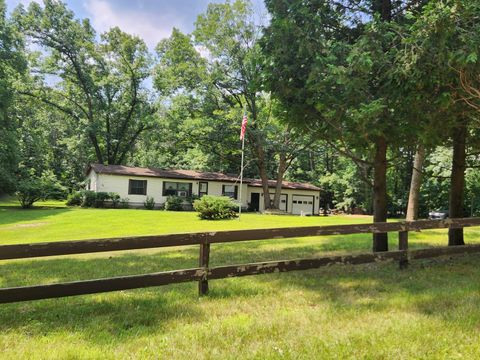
(360, 97)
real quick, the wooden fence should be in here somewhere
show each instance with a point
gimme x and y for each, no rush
(204, 272)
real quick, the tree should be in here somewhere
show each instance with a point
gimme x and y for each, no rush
(192, 133)
(443, 47)
(32, 188)
(98, 84)
(230, 77)
(12, 66)
(331, 64)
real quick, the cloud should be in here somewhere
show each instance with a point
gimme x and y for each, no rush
(152, 21)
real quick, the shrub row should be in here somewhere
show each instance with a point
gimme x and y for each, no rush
(88, 198)
(208, 207)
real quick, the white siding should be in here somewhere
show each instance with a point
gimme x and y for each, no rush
(92, 181)
(119, 184)
(215, 188)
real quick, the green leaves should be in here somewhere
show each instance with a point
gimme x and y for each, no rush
(12, 69)
(471, 58)
(180, 65)
(98, 84)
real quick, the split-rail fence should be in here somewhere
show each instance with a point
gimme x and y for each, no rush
(203, 273)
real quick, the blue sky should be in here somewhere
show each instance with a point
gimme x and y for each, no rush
(150, 19)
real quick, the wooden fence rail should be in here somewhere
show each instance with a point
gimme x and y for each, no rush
(203, 273)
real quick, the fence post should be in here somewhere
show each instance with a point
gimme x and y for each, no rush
(203, 262)
(403, 245)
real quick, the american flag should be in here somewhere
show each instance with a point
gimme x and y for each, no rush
(244, 126)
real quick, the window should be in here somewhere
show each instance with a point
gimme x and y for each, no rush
(177, 189)
(230, 191)
(284, 201)
(294, 201)
(137, 187)
(202, 188)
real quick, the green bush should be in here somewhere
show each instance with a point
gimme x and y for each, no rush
(89, 198)
(174, 203)
(149, 203)
(100, 199)
(75, 199)
(31, 188)
(115, 197)
(28, 192)
(215, 207)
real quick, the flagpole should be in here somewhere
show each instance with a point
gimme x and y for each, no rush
(241, 178)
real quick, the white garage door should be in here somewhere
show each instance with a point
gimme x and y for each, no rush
(283, 201)
(302, 204)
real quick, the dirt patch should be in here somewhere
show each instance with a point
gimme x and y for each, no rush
(30, 225)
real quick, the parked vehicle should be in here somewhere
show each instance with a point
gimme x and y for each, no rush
(438, 214)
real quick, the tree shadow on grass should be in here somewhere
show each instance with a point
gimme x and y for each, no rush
(445, 288)
(13, 215)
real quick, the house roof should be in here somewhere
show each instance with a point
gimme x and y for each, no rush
(190, 175)
(285, 185)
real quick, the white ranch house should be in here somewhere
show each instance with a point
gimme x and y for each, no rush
(137, 183)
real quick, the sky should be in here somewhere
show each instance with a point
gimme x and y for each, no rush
(152, 20)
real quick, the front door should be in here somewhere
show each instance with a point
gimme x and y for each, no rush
(255, 201)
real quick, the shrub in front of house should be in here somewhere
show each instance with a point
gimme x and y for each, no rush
(215, 207)
(89, 198)
(149, 203)
(100, 199)
(174, 203)
(114, 198)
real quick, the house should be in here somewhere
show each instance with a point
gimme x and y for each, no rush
(137, 183)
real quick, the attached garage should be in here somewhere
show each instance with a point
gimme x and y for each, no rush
(303, 204)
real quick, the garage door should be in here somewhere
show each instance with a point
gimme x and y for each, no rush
(302, 204)
(283, 201)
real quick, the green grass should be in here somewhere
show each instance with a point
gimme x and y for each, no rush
(431, 310)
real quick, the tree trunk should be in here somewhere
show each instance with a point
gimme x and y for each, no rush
(380, 241)
(98, 152)
(383, 8)
(457, 185)
(282, 166)
(262, 170)
(416, 182)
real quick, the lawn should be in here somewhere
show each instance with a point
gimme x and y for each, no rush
(431, 310)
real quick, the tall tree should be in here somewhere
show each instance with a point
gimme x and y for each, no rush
(331, 65)
(99, 84)
(12, 66)
(230, 73)
(443, 44)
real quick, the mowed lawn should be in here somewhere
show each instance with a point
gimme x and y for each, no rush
(430, 310)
